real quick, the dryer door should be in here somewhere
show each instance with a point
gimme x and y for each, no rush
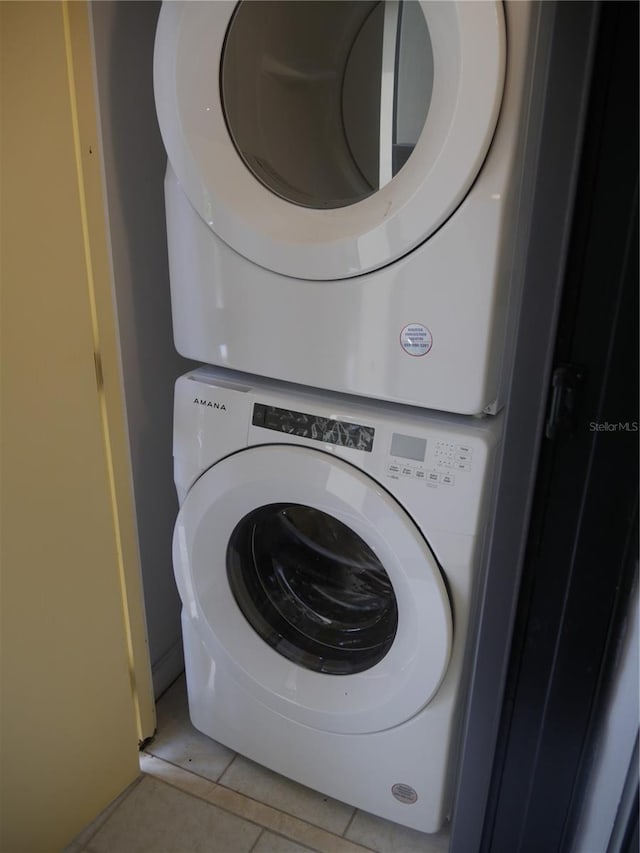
(313, 589)
(322, 140)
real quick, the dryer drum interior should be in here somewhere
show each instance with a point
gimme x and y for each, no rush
(326, 101)
(312, 588)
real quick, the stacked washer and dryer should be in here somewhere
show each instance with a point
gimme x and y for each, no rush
(342, 194)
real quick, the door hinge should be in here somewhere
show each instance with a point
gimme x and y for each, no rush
(99, 375)
(566, 384)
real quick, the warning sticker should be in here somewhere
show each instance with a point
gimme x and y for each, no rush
(416, 339)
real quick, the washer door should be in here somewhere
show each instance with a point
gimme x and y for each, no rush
(312, 588)
(322, 140)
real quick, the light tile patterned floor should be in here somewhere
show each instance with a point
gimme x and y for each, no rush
(196, 795)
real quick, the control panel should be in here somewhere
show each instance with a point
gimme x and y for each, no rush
(436, 462)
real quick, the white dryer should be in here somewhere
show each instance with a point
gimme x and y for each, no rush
(342, 190)
(327, 555)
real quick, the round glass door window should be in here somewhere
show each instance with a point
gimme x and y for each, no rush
(312, 588)
(325, 101)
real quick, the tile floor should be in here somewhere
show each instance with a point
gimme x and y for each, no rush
(196, 796)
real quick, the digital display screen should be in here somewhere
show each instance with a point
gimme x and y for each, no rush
(408, 447)
(327, 430)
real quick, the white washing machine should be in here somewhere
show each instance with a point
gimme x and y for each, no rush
(327, 554)
(343, 187)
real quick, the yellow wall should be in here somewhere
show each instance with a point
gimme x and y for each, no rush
(72, 628)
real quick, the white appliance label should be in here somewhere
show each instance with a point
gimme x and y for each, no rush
(404, 793)
(416, 339)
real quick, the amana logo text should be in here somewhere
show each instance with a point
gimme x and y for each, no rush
(200, 402)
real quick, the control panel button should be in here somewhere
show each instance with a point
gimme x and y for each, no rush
(462, 466)
(420, 474)
(393, 468)
(447, 479)
(433, 477)
(406, 471)
(464, 448)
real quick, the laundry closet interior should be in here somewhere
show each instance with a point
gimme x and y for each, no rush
(348, 210)
(336, 293)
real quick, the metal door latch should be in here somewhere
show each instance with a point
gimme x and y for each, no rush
(565, 387)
